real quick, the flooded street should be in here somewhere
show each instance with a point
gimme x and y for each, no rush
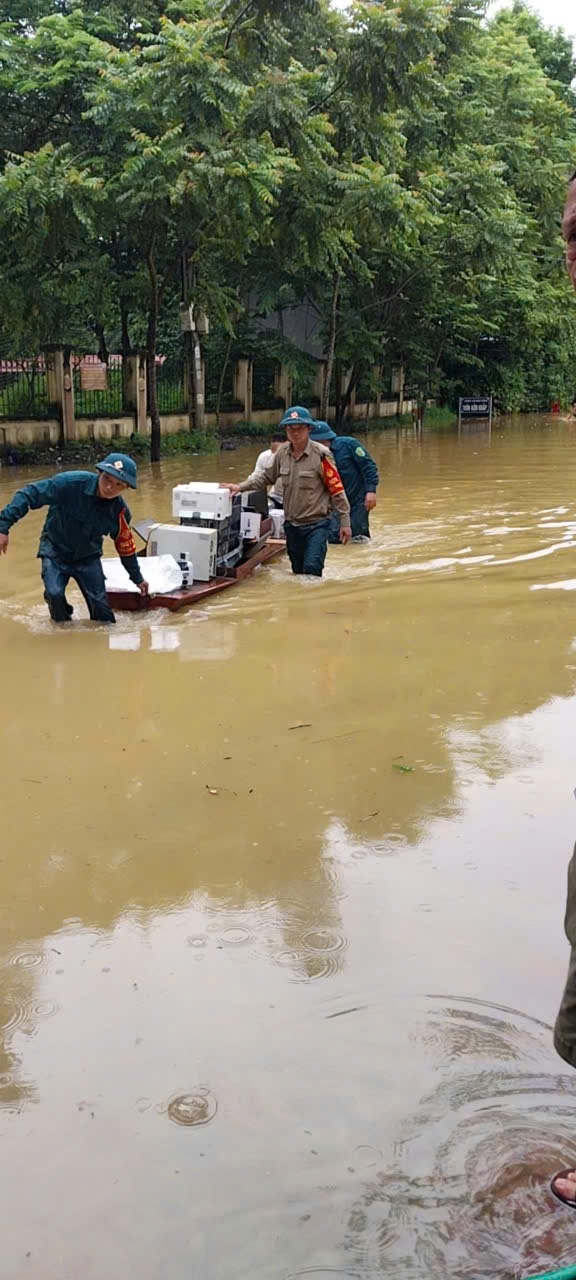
(282, 894)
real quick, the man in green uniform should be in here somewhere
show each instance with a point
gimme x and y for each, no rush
(83, 508)
(359, 475)
(311, 488)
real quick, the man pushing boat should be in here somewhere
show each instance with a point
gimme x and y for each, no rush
(83, 509)
(311, 489)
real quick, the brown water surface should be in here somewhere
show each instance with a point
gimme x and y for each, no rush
(282, 895)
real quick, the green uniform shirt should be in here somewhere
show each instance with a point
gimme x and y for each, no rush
(77, 521)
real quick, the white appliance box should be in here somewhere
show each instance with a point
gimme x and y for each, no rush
(251, 525)
(201, 499)
(197, 545)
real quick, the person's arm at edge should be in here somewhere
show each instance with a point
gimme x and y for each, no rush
(30, 498)
(126, 548)
(340, 503)
(258, 479)
(569, 229)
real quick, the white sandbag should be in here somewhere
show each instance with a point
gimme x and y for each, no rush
(161, 573)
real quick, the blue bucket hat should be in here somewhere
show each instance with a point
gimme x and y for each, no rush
(121, 467)
(322, 432)
(297, 416)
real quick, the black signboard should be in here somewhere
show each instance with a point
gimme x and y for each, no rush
(475, 407)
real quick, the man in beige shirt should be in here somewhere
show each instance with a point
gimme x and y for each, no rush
(312, 488)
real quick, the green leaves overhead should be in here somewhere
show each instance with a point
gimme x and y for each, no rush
(401, 168)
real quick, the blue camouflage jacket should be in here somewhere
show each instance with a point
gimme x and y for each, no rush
(358, 471)
(77, 519)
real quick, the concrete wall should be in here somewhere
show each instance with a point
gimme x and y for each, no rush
(121, 428)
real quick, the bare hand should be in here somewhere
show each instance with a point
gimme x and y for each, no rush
(233, 488)
(3, 543)
(144, 589)
(370, 501)
(345, 534)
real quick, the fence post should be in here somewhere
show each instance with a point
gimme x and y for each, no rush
(134, 381)
(283, 385)
(51, 377)
(68, 417)
(397, 386)
(376, 379)
(141, 395)
(319, 379)
(60, 390)
(243, 386)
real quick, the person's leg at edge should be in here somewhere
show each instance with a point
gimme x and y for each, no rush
(334, 530)
(90, 578)
(315, 547)
(359, 520)
(294, 546)
(565, 1027)
(56, 576)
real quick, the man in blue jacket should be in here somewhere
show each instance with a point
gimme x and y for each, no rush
(83, 508)
(359, 475)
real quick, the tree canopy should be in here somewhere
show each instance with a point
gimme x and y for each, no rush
(399, 168)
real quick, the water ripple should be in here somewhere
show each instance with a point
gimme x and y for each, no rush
(194, 1108)
(317, 952)
(468, 1195)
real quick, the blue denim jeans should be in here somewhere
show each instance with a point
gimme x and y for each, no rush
(306, 545)
(88, 574)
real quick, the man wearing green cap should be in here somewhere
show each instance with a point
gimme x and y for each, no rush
(83, 509)
(359, 475)
(311, 489)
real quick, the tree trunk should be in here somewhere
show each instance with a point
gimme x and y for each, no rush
(325, 401)
(102, 345)
(193, 371)
(221, 382)
(198, 384)
(345, 400)
(420, 410)
(151, 340)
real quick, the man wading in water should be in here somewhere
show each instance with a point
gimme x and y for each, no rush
(564, 1184)
(83, 508)
(311, 488)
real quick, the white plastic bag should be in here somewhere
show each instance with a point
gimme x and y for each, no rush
(161, 573)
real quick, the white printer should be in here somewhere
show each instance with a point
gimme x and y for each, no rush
(205, 500)
(187, 542)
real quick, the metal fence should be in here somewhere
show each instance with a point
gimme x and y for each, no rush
(23, 389)
(98, 386)
(170, 383)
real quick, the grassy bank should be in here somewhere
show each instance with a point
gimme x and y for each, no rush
(84, 453)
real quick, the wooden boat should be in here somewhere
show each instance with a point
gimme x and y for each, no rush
(259, 553)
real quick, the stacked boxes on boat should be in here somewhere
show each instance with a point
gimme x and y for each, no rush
(214, 528)
(202, 505)
(210, 538)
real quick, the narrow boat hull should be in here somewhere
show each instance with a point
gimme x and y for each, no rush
(130, 601)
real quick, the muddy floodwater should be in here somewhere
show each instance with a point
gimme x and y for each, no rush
(282, 895)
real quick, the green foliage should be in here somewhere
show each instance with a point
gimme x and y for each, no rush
(399, 169)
